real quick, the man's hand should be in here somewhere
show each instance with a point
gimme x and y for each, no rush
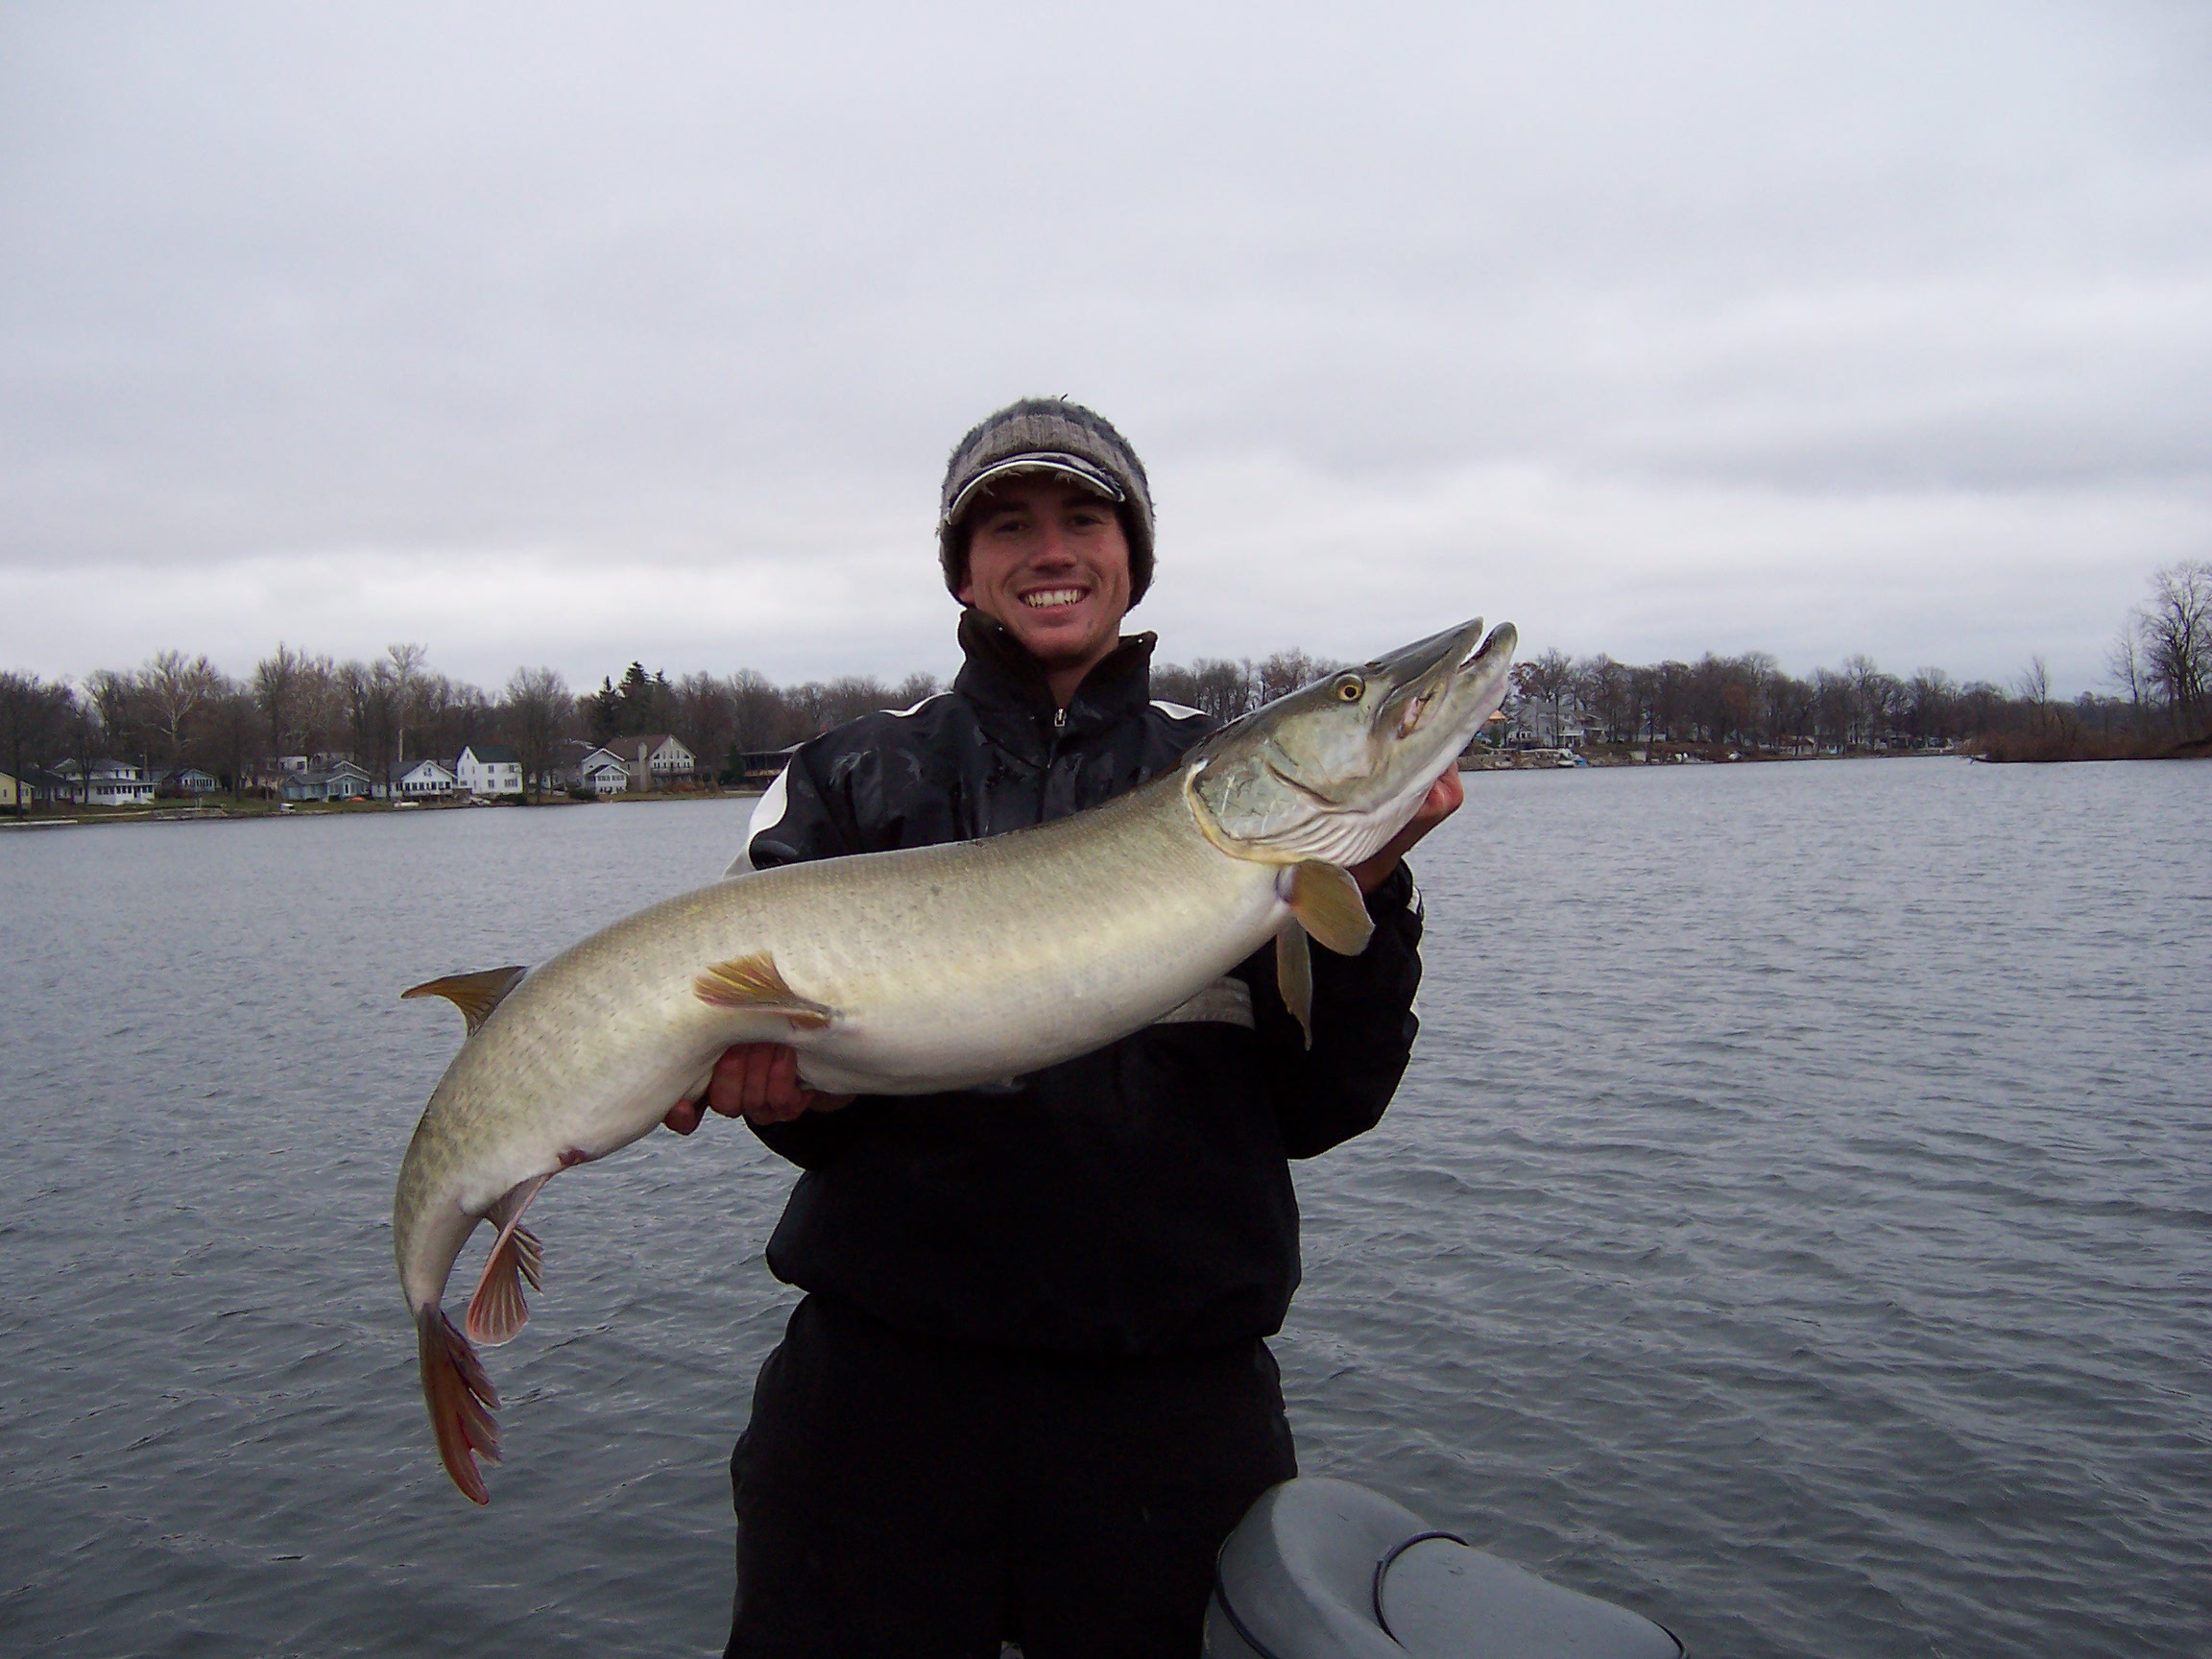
(759, 1081)
(1444, 798)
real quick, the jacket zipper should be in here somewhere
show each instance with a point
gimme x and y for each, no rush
(1051, 757)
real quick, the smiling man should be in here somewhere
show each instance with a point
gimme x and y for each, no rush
(1028, 1391)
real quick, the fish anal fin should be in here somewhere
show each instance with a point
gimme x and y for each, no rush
(754, 983)
(475, 995)
(498, 1308)
(461, 1399)
(1330, 906)
(1295, 976)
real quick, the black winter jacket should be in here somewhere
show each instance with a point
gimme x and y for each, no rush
(1135, 1200)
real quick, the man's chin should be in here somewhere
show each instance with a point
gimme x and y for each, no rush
(1056, 647)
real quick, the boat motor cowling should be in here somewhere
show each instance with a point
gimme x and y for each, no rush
(1326, 1569)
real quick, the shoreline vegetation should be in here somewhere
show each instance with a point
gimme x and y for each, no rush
(162, 740)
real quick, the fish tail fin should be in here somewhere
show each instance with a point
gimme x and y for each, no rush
(461, 1399)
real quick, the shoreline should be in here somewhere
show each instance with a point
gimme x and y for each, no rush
(255, 811)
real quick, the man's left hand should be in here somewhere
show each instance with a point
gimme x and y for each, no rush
(1444, 798)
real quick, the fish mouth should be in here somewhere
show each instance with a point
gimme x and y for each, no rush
(1442, 664)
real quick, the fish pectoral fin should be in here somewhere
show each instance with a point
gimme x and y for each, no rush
(754, 983)
(498, 1308)
(1294, 975)
(1330, 905)
(475, 995)
(461, 1399)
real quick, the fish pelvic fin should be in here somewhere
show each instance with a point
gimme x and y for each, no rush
(498, 1308)
(753, 983)
(1329, 906)
(461, 1399)
(1294, 975)
(475, 995)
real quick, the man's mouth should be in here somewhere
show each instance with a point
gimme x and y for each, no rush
(1052, 598)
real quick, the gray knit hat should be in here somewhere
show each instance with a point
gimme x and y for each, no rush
(1048, 434)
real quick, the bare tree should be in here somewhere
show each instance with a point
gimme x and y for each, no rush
(275, 689)
(409, 678)
(1602, 686)
(756, 713)
(175, 689)
(705, 719)
(1930, 696)
(34, 718)
(914, 689)
(1547, 679)
(234, 724)
(536, 707)
(2175, 632)
(2124, 663)
(1286, 672)
(1214, 685)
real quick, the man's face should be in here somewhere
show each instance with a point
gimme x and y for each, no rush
(1048, 561)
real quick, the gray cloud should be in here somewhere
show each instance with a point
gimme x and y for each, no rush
(547, 334)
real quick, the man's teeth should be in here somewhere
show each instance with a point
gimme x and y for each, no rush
(1052, 596)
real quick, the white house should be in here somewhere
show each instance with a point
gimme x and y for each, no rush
(106, 782)
(488, 769)
(426, 777)
(603, 773)
(655, 761)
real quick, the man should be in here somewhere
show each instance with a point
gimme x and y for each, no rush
(1029, 1393)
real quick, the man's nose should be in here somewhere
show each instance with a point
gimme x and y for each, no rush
(1054, 545)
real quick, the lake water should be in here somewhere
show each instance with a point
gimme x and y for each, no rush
(1796, 1224)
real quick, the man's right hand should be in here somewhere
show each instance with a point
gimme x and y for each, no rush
(759, 1082)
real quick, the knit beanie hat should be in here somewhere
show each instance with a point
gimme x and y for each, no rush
(1048, 434)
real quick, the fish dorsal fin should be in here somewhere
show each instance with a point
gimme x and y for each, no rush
(1294, 975)
(1329, 906)
(475, 995)
(753, 983)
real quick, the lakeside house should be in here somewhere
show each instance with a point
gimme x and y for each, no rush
(489, 770)
(427, 780)
(37, 785)
(106, 782)
(603, 772)
(1536, 724)
(182, 781)
(343, 781)
(757, 768)
(653, 760)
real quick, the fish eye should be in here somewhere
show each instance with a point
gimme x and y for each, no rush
(1350, 687)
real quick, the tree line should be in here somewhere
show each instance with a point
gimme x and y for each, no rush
(176, 710)
(2160, 669)
(387, 713)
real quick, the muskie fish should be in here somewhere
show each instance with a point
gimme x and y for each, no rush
(912, 972)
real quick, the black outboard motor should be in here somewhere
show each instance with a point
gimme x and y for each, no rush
(1326, 1569)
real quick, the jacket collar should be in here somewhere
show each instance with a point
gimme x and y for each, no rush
(999, 675)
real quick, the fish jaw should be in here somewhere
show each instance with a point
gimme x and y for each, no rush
(1333, 770)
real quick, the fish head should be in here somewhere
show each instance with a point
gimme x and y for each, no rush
(1334, 769)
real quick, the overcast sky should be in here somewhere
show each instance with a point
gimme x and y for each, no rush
(572, 335)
